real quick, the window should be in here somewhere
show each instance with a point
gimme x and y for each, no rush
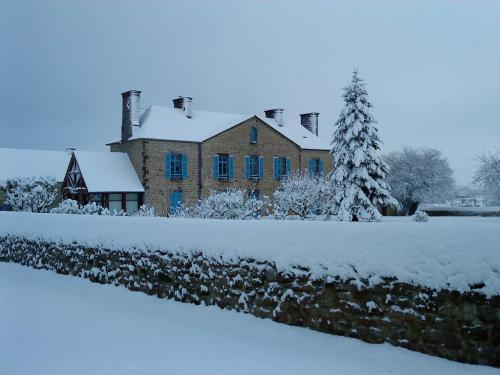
(223, 167)
(115, 202)
(281, 167)
(97, 198)
(253, 135)
(254, 167)
(315, 167)
(131, 202)
(176, 166)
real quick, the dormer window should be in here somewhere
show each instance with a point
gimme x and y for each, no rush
(253, 135)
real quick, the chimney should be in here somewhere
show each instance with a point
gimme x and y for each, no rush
(184, 103)
(277, 114)
(310, 121)
(130, 112)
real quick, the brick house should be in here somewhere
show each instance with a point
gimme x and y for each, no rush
(181, 154)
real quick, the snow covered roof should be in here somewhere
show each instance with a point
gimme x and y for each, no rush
(108, 172)
(30, 163)
(159, 122)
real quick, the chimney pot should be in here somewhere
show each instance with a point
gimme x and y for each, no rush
(131, 101)
(276, 114)
(184, 103)
(310, 121)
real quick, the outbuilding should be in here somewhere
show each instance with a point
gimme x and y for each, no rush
(106, 178)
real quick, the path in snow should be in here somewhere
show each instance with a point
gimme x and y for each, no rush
(54, 324)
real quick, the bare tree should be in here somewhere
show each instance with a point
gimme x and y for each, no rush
(488, 175)
(419, 175)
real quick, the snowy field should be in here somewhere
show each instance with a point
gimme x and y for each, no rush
(446, 252)
(54, 324)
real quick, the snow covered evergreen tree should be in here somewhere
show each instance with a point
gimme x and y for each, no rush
(358, 177)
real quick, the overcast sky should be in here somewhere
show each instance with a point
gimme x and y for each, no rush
(432, 67)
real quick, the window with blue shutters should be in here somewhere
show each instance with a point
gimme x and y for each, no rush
(315, 167)
(254, 167)
(282, 167)
(176, 201)
(223, 167)
(176, 166)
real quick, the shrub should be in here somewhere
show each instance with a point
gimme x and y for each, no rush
(32, 194)
(421, 217)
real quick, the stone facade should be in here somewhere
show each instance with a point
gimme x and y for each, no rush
(148, 158)
(462, 327)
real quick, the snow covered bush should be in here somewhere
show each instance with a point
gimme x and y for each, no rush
(145, 210)
(420, 217)
(228, 204)
(358, 178)
(33, 194)
(299, 194)
(72, 207)
(488, 175)
(419, 175)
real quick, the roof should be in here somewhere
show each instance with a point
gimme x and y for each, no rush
(167, 123)
(108, 172)
(16, 163)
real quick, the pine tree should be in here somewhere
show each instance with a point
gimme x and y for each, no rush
(358, 178)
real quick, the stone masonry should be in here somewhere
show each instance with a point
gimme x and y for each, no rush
(462, 327)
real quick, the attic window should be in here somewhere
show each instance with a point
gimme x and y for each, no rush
(253, 134)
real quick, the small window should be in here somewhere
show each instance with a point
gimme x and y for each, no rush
(176, 166)
(223, 166)
(253, 135)
(254, 167)
(115, 202)
(97, 198)
(132, 202)
(280, 167)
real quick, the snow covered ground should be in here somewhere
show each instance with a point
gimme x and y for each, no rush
(448, 252)
(54, 324)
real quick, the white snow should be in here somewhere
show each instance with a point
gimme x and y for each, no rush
(159, 122)
(54, 324)
(451, 252)
(108, 172)
(16, 163)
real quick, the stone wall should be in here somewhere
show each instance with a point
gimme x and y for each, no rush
(462, 327)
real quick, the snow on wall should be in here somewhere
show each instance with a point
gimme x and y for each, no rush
(461, 254)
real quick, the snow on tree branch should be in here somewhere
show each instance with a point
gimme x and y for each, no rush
(358, 178)
(488, 175)
(33, 194)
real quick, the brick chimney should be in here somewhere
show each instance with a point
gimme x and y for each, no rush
(310, 121)
(131, 101)
(184, 103)
(276, 114)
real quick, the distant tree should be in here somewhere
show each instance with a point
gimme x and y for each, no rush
(32, 194)
(298, 194)
(358, 178)
(488, 175)
(419, 175)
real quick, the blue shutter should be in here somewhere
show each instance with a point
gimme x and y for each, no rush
(261, 167)
(310, 167)
(247, 167)
(320, 167)
(216, 166)
(231, 167)
(276, 168)
(168, 158)
(288, 166)
(185, 166)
